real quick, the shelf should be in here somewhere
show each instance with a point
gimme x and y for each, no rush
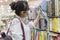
(4, 18)
(54, 16)
(52, 34)
(55, 32)
(41, 30)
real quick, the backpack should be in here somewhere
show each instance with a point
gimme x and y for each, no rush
(5, 36)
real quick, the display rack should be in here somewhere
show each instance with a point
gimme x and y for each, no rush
(52, 33)
(54, 16)
(53, 19)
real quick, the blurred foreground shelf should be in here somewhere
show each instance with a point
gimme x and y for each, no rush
(54, 16)
(54, 32)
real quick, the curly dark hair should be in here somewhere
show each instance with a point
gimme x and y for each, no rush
(19, 6)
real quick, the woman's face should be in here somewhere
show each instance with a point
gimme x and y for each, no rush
(23, 14)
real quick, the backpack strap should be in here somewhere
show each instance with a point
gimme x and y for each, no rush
(23, 31)
(21, 28)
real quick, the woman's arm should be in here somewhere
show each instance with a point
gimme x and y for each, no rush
(37, 19)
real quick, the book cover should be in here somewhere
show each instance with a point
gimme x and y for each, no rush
(55, 26)
(56, 8)
(50, 25)
(58, 19)
(51, 8)
(33, 33)
(42, 24)
(41, 35)
(59, 7)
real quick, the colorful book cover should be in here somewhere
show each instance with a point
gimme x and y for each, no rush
(58, 37)
(55, 26)
(38, 35)
(58, 19)
(50, 37)
(56, 7)
(59, 7)
(51, 8)
(33, 32)
(42, 24)
(41, 35)
(50, 25)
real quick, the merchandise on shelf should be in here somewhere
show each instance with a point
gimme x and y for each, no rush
(41, 35)
(54, 7)
(33, 34)
(58, 36)
(58, 7)
(42, 24)
(50, 24)
(58, 19)
(54, 24)
(54, 37)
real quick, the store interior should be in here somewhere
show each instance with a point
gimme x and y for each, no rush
(48, 27)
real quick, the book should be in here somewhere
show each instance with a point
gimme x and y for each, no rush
(55, 26)
(58, 19)
(50, 25)
(51, 37)
(33, 33)
(41, 35)
(58, 36)
(51, 8)
(58, 7)
(42, 24)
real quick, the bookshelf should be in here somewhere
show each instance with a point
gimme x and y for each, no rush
(54, 20)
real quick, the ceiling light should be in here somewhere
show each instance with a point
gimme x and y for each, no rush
(14, 0)
(1, 1)
(6, 0)
(2, 6)
(27, 0)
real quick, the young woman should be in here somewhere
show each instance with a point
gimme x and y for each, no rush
(20, 28)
